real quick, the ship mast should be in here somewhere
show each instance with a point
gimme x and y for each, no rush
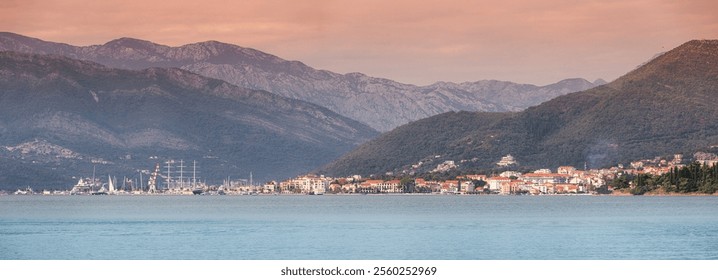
(169, 173)
(142, 188)
(93, 179)
(194, 174)
(152, 183)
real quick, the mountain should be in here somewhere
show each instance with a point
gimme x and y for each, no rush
(381, 103)
(60, 116)
(668, 105)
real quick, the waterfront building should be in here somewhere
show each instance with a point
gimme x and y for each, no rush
(544, 178)
(426, 186)
(391, 186)
(466, 186)
(494, 183)
(305, 184)
(450, 186)
(369, 186)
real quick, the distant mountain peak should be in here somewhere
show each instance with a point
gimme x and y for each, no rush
(696, 59)
(570, 81)
(214, 43)
(600, 82)
(132, 43)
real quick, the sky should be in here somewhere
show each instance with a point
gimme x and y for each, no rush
(409, 41)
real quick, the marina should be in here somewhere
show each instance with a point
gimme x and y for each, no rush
(172, 182)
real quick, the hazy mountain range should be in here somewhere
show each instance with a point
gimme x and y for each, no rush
(380, 103)
(60, 116)
(668, 105)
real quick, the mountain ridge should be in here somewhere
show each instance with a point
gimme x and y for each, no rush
(381, 103)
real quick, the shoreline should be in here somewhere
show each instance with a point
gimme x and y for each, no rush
(614, 193)
(660, 193)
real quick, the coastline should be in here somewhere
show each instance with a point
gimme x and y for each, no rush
(659, 193)
(614, 193)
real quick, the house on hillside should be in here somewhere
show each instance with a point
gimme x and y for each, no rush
(507, 160)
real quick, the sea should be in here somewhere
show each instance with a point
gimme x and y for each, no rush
(358, 227)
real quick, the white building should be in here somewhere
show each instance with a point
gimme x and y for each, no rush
(305, 184)
(506, 161)
(494, 183)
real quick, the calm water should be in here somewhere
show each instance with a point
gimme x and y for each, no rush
(358, 227)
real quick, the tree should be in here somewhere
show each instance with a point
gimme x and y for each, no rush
(620, 182)
(479, 183)
(407, 184)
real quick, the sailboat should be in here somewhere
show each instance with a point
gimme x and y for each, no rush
(111, 185)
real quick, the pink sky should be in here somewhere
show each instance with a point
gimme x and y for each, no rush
(417, 42)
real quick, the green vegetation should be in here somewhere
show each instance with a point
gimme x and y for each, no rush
(689, 179)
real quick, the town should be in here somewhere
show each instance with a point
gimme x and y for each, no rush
(565, 180)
